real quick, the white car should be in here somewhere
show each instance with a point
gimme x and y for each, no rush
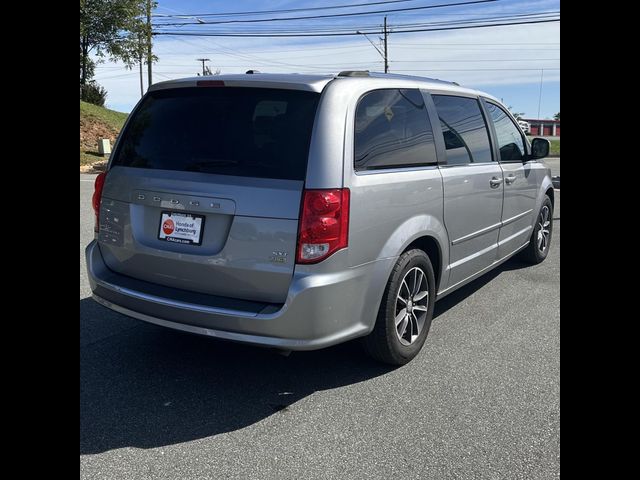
(526, 128)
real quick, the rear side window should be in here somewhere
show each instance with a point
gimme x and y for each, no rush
(509, 136)
(250, 132)
(392, 130)
(464, 129)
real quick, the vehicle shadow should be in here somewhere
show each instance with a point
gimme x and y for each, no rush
(145, 386)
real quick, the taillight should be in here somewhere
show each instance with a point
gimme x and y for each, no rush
(210, 83)
(97, 195)
(324, 224)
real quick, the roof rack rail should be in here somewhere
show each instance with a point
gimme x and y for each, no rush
(411, 77)
(354, 73)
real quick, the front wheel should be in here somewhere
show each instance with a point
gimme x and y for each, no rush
(538, 247)
(406, 310)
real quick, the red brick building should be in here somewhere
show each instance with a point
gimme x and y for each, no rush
(544, 128)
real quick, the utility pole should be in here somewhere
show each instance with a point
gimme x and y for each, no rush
(140, 45)
(203, 60)
(386, 52)
(540, 96)
(141, 83)
(149, 53)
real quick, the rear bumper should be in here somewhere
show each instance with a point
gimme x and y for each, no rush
(322, 308)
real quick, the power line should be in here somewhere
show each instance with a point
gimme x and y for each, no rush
(334, 67)
(539, 15)
(403, 27)
(308, 17)
(436, 46)
(398, 48)
(481, 60)
(183, 74)
(332, 27)
(277, 51)
(413, 61)
(316, 31)
(374, 29)
(288, 10)
(489, 50)
(415, 30)
(338, 64)
(525, 43)
(242, 56)
(121, 75)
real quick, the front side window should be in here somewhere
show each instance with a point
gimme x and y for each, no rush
(392, 130)
(465, 132)
(508, 134)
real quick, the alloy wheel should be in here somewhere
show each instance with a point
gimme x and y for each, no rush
(544, 224)
(412, 303)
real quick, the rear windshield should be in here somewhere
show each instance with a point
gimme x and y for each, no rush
(250, 132)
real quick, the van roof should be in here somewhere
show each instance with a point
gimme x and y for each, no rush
(315, 82)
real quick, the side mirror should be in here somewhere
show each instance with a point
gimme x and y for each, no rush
(539, 148)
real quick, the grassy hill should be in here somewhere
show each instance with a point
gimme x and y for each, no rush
(97, 123)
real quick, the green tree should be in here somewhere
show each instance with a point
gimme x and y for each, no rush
(116, 29)
(93, 93)
(556, 116)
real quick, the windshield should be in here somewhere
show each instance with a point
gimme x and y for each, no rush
(251, 132)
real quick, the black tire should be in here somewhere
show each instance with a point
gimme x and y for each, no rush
(384, 343)
(533, 254)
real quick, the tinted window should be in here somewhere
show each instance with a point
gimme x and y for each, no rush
(251, 132)
(509, 139)
(393, 130)
(465, 132)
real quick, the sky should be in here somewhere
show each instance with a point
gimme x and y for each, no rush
(519, 64)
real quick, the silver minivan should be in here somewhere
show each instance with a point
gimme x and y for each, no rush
(300, 211)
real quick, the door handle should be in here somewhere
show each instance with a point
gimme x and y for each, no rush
(510, 179)
(495, 182)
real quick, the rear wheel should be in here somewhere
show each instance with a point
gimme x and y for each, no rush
(538, 247)
(406, 311)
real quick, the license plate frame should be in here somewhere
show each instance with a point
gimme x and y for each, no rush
(167, 231)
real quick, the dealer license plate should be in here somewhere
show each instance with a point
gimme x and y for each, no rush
(180, 227)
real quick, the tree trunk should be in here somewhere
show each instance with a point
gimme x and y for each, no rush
(85, 55)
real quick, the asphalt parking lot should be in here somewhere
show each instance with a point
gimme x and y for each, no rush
(481, 401)
(554, 165)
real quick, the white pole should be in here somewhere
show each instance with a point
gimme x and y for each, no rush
(540, 96)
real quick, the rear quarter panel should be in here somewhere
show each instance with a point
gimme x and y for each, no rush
(389, 208)
(388, 212)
